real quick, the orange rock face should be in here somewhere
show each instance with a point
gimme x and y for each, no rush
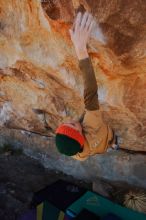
(40, 81)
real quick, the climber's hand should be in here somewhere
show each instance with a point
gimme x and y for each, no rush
(80, 33)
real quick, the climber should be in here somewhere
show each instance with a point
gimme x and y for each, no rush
(92, 136)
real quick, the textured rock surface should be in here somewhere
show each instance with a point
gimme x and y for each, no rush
(39, 68)
(112, 166)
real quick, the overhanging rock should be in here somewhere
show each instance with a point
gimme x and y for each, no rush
(41, 83)
(39, 68)
(113, 166)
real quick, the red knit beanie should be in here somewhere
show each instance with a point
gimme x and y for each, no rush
(72, 133)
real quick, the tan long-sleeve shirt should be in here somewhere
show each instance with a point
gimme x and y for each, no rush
(97, 133)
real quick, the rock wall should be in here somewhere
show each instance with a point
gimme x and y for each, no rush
(40, 81)
(116, 166)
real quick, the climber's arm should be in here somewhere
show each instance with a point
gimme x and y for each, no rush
(80, 35)
(90, 85)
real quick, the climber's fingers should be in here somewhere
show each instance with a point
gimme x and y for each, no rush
(91, 26)
(71, 33)
(82, 27)
(84, 20)
(78, 21)
(73, 26)
(76, 24)
(89, 21)
(71, 30)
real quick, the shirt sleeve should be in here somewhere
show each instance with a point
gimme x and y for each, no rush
(90, 84)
